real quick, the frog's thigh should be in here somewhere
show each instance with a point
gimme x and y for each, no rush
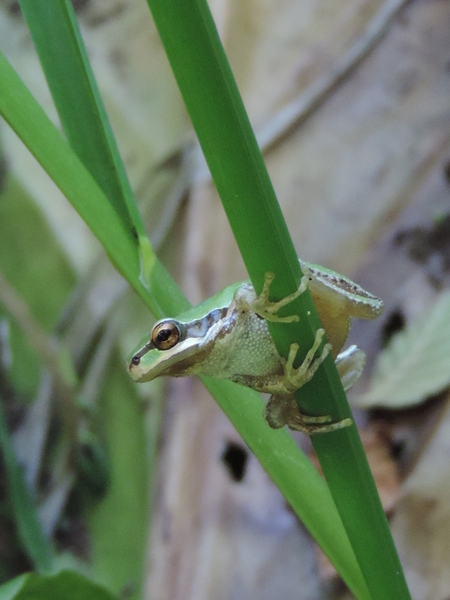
(278, 410)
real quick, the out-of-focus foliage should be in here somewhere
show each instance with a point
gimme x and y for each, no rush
(415, 364)
(66, 584)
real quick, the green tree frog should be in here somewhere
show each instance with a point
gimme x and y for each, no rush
(227, 337)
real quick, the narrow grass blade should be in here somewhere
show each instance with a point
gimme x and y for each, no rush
(66, 584)
(61, 50)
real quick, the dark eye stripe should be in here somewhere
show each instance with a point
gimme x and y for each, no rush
(200, 327)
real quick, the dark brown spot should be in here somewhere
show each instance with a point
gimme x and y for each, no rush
(394, 323)
(14, 9)
(235, 457)
(79, 5)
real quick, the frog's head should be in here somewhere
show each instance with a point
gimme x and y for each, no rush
(173, 348)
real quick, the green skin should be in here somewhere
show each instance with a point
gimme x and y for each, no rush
(227, 336)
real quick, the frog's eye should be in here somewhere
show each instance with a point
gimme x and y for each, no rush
(165, 335)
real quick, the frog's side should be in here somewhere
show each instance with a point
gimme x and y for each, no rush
(228, 337)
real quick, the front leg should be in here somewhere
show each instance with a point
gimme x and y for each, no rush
(246, 298)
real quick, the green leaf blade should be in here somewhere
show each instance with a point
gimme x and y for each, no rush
(66, 584)
(63, 56)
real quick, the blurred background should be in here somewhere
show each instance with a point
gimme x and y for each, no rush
(350, 103)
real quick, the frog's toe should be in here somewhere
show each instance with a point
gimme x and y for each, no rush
(326, 427)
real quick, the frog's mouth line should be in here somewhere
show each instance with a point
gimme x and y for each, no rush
(182, 358)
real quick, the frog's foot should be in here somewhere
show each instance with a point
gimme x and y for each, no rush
(350, 364)
(283, 410)
(295, 377)
(264, 307)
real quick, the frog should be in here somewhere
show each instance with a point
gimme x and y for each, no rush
(227, 337)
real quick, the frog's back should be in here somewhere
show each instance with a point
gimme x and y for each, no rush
(220, 300)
